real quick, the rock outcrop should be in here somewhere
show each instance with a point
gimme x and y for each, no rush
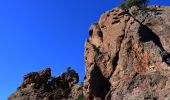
(127, 55)
(42, 86)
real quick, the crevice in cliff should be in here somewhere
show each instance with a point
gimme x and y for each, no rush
(116, 58)
(99, 85)
(115, 61)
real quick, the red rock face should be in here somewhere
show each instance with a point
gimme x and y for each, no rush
(127, 56)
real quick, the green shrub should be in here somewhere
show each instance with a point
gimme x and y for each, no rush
(81, 97)
(72, 73)
(129, 3)
(81, 84)
(123, 5)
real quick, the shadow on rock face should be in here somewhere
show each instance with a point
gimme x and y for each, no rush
(166, 57)
(99, 85)
(147, 35)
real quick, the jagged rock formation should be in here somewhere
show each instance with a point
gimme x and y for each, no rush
(127, 55)
(41, 86)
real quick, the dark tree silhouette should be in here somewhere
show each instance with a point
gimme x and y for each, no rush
(72, 73)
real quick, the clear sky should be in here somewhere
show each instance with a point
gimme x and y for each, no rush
(35, 34)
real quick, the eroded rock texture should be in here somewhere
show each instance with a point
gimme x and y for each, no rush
(41, 86)
(127, 56)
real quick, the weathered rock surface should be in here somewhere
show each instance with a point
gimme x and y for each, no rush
(127, 56)
(42, 86)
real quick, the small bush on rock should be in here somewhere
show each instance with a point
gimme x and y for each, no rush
(129, 3)
(81, 97)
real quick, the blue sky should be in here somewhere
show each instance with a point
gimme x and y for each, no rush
(35, 34)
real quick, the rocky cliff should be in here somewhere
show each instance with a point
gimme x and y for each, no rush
(42, 86)
(127, 55)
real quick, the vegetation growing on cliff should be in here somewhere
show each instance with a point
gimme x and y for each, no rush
(72, 73)
(81, 97)
(129, 3)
